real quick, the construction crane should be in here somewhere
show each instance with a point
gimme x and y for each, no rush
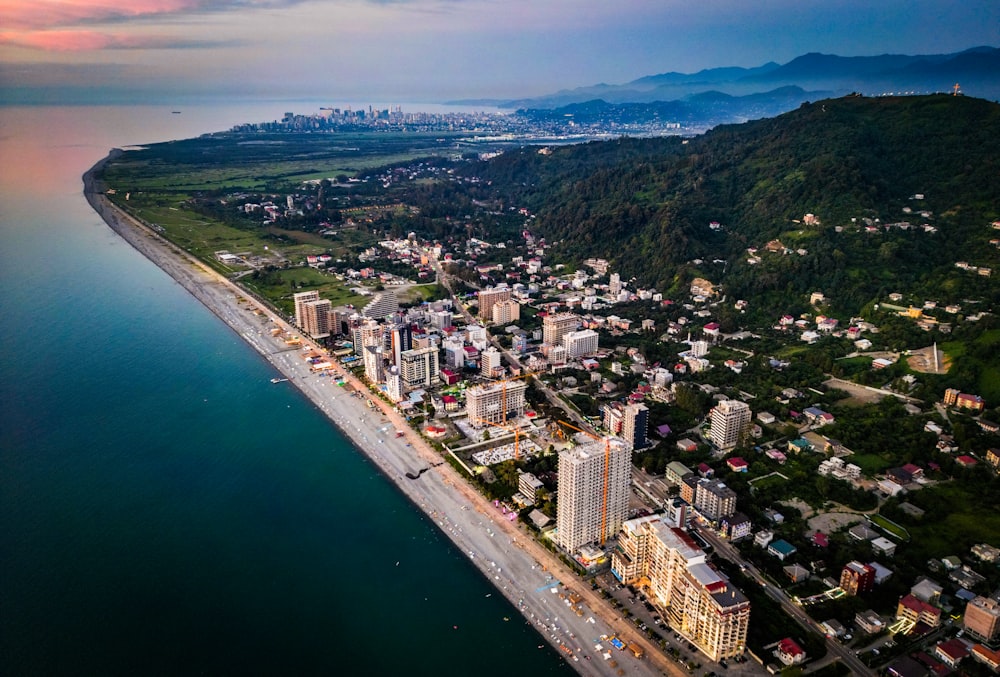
(508, 428)
(503, 391)
(607, 467)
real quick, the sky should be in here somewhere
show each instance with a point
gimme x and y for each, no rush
(133, 51)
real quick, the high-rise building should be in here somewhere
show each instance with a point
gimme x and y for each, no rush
(714, 500)
(594, 487)
(366, 333)
(394, 387)
(490, 297)
(554, 327)
(580, 343)
(400, 340)
(857, 578)
(316, 318)
(730, 423)
(489, 363)
(301, 299)
(495, 402)
(419, 368)
(700, 604)
(382, 305)
(505, 312)
(374, 359)
(982, 619)
(628, 422)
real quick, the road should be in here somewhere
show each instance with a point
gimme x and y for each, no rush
(726, 550)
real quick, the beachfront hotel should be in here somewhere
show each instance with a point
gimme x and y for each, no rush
(700, 604)
(594, 482)
(419, 367)
(495, 402)
(301, 299)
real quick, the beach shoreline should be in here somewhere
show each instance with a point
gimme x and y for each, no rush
(529, 576)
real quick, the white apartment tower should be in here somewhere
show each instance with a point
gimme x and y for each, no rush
(495, 402)
(580, 343)
(489, 360)
(394, 384)
(594, 481)
(730, 422)
(419, 367)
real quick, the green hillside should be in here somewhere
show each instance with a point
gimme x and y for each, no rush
(646, 204)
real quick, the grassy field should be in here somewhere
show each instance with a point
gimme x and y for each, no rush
(156, 184)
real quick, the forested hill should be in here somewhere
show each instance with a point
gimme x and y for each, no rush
(647, 204)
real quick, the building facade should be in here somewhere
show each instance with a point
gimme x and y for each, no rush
(489, 298)
(419, 367)
(554, 327)
(495, 402)
(594, 487)
(857, 578)
(714, 500)
(730, 423)
(699, 604)
(301, 299)
(506, 312)
(982, 619)
(316, 318)
(580, 343)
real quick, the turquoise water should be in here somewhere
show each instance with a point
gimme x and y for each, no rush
(164, 509)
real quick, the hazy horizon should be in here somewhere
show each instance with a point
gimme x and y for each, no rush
(86, 51)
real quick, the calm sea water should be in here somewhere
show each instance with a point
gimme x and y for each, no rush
(164, 509)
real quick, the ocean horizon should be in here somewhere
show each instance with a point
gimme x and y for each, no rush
(167, 510)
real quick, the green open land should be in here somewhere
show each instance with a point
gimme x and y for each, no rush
(166, 186)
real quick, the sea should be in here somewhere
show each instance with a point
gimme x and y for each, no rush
(164, 508)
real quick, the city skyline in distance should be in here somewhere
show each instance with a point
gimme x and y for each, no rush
(58, 51)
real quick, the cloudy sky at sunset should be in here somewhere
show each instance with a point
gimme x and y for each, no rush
(431, 50)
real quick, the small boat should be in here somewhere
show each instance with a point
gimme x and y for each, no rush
(278, 380)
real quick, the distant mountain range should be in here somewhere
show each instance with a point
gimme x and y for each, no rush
(977, 70)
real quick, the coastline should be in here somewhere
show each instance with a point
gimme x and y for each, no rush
(522, 570)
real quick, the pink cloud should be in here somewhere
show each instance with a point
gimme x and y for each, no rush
(73, 40)
(20, 15)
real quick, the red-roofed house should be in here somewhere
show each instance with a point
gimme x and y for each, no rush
(789, 652)
(821, 540)
(951, 652)
(986, 656)
(705, 470)
(712, 329)
(966, 461)
(737, 464)
(450, 402)
(914, 610)
(915, 470)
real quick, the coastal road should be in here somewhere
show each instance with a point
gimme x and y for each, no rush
(726, 550)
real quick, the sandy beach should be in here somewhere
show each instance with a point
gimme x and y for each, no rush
(527, 574)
